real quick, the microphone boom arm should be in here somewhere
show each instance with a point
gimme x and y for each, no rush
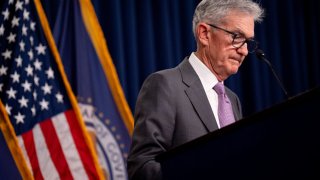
(260, 54)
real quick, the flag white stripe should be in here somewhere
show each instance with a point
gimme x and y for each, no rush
(24, 152)
(47, 167)
(68, 147)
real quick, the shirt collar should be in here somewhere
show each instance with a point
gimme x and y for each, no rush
(207, 78)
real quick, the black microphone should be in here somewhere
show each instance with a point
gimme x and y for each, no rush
(260, 54)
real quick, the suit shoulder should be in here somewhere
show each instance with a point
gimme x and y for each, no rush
(164, 75)
(230, 92)
(168, 72)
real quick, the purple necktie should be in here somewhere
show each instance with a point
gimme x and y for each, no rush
(225, 112)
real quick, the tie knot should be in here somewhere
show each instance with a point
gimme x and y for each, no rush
(219, 88)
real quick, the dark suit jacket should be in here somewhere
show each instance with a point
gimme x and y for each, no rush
(172, 108)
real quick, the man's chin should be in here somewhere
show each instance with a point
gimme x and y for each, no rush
(234, 69)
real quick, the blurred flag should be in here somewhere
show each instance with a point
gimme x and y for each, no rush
(93, 78)
(6, 159)
(41, 121)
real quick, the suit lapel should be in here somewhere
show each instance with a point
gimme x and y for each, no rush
(197, 95)
(234, 105)
(235, 111)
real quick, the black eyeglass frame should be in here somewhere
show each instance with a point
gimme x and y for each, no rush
(252, 45)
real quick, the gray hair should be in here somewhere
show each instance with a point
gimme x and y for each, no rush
(215, 10)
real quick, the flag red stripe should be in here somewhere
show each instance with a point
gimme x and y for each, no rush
(82, 147)
(32, 154)
(55, 149)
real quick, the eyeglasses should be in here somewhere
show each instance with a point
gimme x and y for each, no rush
(238, 41)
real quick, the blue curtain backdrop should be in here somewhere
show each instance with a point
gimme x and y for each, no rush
(144, 36)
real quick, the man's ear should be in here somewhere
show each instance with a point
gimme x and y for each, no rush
(202, 31)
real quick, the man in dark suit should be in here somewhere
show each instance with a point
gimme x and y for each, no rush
(180, 104)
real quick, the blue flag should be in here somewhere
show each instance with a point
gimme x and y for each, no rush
(93, 78)
(6, 160)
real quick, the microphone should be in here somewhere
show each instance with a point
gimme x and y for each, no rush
(260, 54)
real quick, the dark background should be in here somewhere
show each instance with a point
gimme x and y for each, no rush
(144, 36)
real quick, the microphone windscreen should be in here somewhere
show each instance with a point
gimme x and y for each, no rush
(260, 54)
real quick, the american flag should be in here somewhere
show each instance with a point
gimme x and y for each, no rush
(35, 98)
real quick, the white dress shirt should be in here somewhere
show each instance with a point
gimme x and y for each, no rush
(208, 81)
